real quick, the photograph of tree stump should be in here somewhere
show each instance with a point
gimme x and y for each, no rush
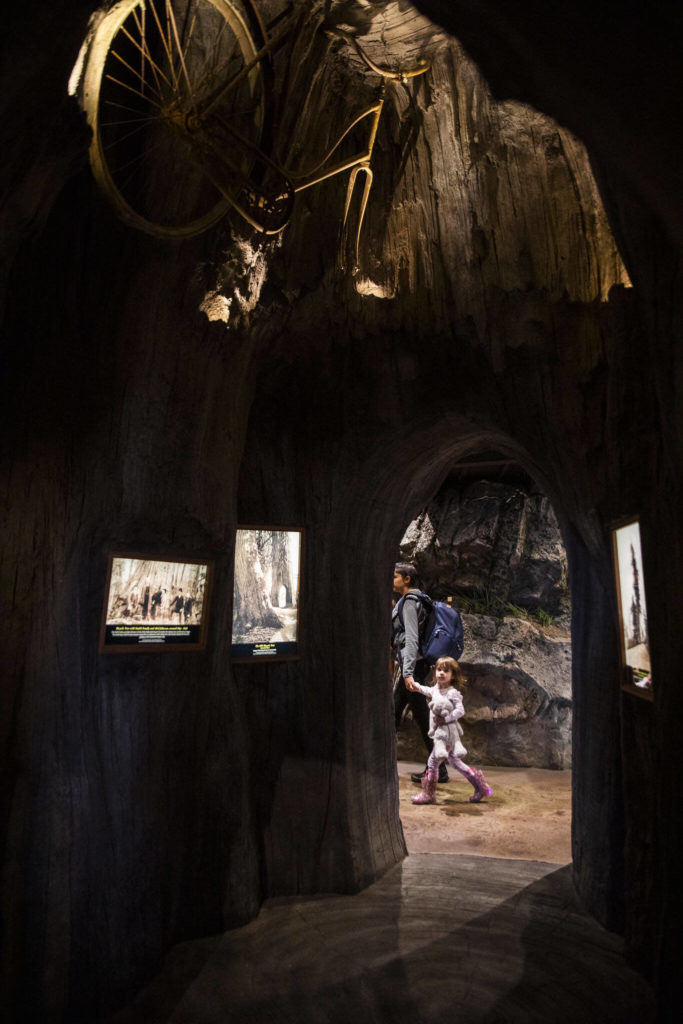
(265, 617)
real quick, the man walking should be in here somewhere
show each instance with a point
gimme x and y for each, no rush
(405, 641)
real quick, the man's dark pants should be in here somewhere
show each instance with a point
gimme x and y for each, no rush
(416, 702)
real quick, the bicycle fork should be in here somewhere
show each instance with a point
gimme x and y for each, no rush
(343, 240)
(360, 163)
(362, 167)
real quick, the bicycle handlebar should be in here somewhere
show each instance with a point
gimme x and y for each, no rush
(401, 76)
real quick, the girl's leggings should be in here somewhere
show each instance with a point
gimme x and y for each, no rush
(455, 762)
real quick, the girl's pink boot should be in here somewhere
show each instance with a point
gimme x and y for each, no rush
(481, 787)
(428, 793)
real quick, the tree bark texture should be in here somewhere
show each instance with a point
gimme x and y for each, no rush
(281, 576)
(252, 597)
(158, 394)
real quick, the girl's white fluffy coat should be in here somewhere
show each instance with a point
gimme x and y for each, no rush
(447, 736)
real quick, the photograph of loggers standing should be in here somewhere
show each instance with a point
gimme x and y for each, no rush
(154, 601)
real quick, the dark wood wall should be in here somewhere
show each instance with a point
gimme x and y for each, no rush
(150, 798)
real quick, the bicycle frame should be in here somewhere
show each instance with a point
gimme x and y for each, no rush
(357, 164)
(294, 183)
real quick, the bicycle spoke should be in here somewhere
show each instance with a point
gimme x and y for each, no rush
(141, 170)
(191, 10)
(134, 72)
(187, 42)
(140, 160)
(165, 46)
(129, 88)
(169, 47)
(212, 67)
(142, 29)
(120, 139)
(133, 110)
(146, 55)
(239, 114)
(143, 37)
(211, 72)
(217, 41)
(218, 72)
(169, 13)
(130, 120)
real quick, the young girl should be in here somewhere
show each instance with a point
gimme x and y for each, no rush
(447, 673)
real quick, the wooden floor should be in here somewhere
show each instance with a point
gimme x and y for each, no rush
(443, 938)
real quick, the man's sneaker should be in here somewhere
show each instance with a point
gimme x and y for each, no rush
(443, 774)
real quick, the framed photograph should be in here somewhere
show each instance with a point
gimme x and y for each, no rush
(266, 598)
(155, 604)
(635, 640)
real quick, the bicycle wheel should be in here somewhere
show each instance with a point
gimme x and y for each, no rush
(153, 69)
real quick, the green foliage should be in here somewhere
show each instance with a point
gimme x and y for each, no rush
(544, 617)
(517, 612)
(484, 602)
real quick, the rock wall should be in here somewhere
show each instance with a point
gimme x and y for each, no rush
(494, 539)
(499, 543)
(518, 694)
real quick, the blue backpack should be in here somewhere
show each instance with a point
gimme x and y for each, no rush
(441, 634)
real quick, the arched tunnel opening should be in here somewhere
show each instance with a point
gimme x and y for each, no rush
(489, 544)
(400, 478)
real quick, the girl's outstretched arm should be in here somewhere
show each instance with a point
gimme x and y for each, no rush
(418, 688)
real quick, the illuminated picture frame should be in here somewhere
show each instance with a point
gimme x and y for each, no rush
(633, 625)
(266, 594)
(155, 604)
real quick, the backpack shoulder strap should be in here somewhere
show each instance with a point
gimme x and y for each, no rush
(423, 602)
(415, 595)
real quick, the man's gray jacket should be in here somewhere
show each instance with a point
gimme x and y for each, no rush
(406, 640)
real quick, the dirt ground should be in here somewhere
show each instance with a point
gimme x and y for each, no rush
(527, 818)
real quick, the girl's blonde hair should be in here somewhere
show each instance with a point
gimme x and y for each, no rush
(457, 674)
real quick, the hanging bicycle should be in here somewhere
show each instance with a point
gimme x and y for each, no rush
(175, 92)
